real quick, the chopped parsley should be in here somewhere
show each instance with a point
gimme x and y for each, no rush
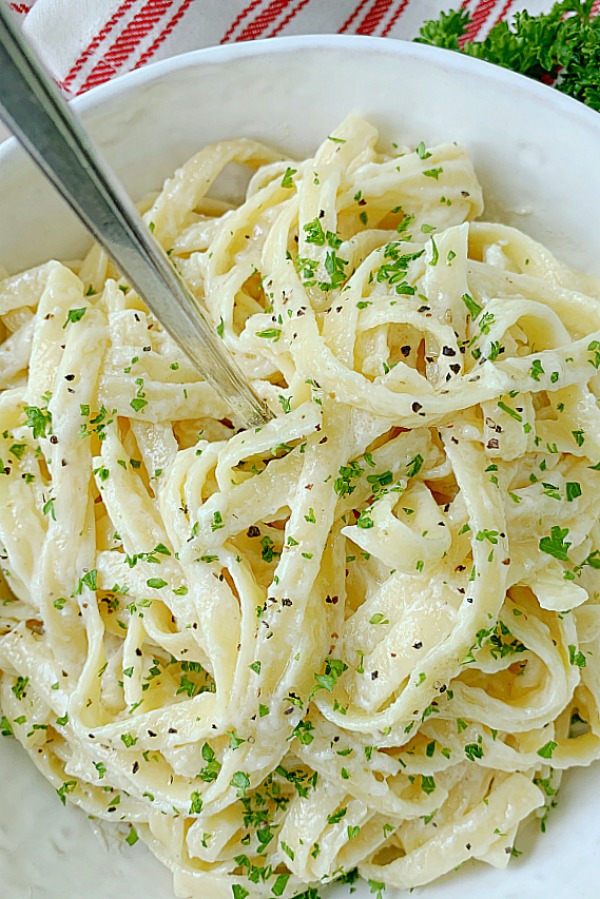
(427, 784)
(38, 420)
(285, 403)
(20, 686)
(287, 181)
(270, 334)
(5, 727)
(556, 545)
(211, 770)
(196, 803)
(334, 668)
(509, 411)
(576, 657)
(435, 254)
(74, 315)
(473, 751)
(364, 519)
(66, 788)
(337, 816)
(414, 466)
(347, 473)
(547, 750)
(241, 782)
(239, 892)
(473, 308)
(302, 732)
(315, 234)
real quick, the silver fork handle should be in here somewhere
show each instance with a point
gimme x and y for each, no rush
(34, 110)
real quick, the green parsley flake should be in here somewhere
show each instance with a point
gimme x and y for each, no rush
(379, 618)
(5, 727)
(138, 403)
(285, 403)
(473, 308)
(239, 892)
(211, 770)
(364, 519)
(280, 884)
(490, 536)
(576, 657)
(347, 473)
(302, 732)
(427, 784)
(509, 411)
(287, 181)
(234, 741)
(435, 255)
(38, 420)
(196, 804)
(270, 334)
(337, 816)
(241, 782)
(66, 788)
(156, 583)
(334, 668)
(18, 449)
(555, 545)
(20, 686)
(89, 579)
(48, 508)
(74, 315)
(473, 751)
(414, 466)
(547, 750)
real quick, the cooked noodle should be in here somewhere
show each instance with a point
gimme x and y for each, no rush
(358, 636)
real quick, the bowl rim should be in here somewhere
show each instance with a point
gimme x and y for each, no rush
(450, 60)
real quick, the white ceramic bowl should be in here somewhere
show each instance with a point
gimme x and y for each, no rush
(536, 153)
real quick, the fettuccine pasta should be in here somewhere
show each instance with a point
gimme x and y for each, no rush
(362, 639)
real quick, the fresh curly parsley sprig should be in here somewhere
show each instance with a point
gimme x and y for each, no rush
(562, 45)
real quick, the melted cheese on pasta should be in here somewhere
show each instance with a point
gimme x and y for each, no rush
(362, 636)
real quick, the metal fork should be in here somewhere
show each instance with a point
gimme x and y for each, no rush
(32, 107)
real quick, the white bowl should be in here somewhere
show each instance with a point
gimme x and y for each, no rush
(536, 153)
